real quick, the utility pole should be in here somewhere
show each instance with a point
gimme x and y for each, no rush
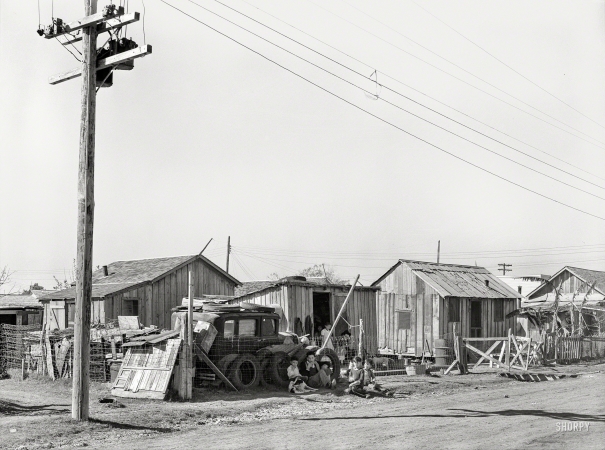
(505, 268)
(438, 250)
(119, 55)
(228, 253)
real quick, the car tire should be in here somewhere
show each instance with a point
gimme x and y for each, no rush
(331, 354)
(279, 369)
(245, 371)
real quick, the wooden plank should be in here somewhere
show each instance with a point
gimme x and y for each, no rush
(489, 351)
(104, 63)
(489, 358)
(215, 369)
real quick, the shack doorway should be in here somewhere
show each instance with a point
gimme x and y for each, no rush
(321, 311)
(476, 319)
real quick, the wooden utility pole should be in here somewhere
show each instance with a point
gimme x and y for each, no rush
(86, 205)
(119, 55)
(438, 250)
(505, 268)
(228, 253)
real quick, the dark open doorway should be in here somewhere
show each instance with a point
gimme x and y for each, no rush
(476, 319)
(321, 310)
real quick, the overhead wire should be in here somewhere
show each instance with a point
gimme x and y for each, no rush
(506, 65)
(381, 119)
(396, 106)
(422, 93)
(470, 84)
(462, 68)
(403, 96)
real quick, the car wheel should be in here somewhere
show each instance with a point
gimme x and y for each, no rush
(245, 372)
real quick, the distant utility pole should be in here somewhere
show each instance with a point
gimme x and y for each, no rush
(438, 250)
(95, 73)
(505, 268)
(228, 253)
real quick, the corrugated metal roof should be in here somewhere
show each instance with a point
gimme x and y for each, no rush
(251, 287)
(126, 274)
(98, 291)
(453, 280)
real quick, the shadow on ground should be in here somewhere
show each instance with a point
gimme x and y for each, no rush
(465, 413)
(15, 409)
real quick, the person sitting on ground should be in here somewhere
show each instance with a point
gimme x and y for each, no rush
(369, 381)
(297, 381)
(356, 384)
(316, 377)
(324, 336)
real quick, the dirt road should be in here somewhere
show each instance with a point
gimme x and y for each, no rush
(531, 417)
(455, 412)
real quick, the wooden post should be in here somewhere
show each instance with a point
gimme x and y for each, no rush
(361, 349)
(342, 308)
(507, 360)
(79, 407)
(228, 253)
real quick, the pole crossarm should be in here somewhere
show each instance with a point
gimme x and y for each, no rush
(104, 63)
(79, 24)
(110, 24)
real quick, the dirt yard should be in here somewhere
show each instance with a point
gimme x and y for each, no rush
(473, 411)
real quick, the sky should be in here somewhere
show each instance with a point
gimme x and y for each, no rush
(206, 138)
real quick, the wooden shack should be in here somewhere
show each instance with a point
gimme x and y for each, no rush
(419, 302)
(581, 302)
(308, 303)
(147, 288)
(21, 309)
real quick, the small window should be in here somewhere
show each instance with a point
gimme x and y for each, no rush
(453, 310)
(130, 307)
(268, 327)
(229, 328)
(404, 319)
(498, 311)
(70, 314)
(247, 327)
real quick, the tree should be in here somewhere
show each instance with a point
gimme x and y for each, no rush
(65, 284)
(5, 276)
(32, 287)
(320, 270)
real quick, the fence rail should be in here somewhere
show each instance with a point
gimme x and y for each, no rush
(569, 349)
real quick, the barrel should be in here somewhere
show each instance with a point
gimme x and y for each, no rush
(441, 352)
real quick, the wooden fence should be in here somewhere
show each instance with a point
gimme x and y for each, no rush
(569, 349)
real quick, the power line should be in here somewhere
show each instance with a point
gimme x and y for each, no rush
(420, 92)
(471, 85)
(404, 96)
(381, 119)
(463, 69)
(429, 253)
(506, 65)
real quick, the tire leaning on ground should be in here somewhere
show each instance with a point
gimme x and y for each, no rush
(279, 369)
(331, 354)
(245, 372)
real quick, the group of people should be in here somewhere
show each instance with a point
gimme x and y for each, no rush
(362, 380)
(309, 376)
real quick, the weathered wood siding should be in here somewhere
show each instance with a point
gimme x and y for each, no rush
(157, 299)
(297, 303)
(569, 284)
(402, 290)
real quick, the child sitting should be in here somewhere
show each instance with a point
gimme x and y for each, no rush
(356, 384)
(369, 380)
(297, 381)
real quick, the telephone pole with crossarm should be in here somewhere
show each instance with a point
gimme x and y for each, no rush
(97, 70)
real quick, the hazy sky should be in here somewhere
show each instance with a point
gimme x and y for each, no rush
(205, 139)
